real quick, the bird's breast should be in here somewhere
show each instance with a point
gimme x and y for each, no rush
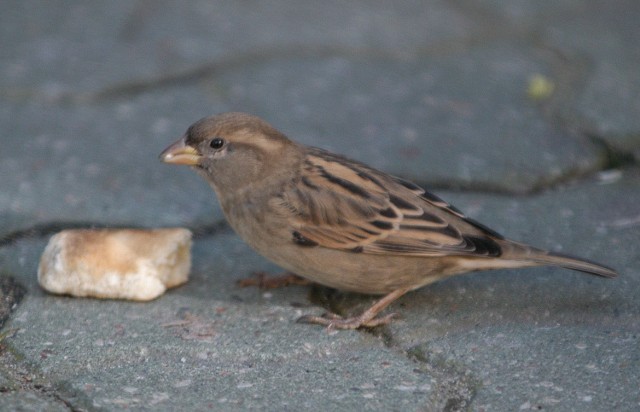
(253, 220)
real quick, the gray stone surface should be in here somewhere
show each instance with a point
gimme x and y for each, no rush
(240, 348)
(207, 344)
(99, 163)
(436, 91)
(73, 49)
(12, 293)
(29, 402)
(565, 338)
(454, 117)
(597, 86)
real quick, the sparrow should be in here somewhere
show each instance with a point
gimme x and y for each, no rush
(341, 223)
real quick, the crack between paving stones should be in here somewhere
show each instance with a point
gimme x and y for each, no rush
(489, 31)
(50, 228)
(27, 379)
(456, 386)
(612, 159)
(615, 158)
(209, 69)
(570, 177)
(205, 70)
(571, 76)
(570, 71)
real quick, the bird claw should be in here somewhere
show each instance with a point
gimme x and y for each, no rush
(333, 321)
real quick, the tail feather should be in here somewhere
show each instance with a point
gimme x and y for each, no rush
(515, 251)
(574, 263)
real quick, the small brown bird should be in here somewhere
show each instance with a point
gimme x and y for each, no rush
(341, 223)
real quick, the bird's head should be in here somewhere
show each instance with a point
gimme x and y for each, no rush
(232, 150)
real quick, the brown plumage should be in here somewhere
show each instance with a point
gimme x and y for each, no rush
(339, 222)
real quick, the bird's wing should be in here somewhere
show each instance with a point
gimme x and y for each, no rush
(341, 204)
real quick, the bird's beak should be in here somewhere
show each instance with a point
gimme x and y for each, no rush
(180, 154)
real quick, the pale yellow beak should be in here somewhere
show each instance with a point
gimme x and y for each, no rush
(180, 154)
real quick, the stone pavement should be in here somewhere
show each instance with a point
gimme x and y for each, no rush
(436, 91)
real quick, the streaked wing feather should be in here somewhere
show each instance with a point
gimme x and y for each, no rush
(342, 204)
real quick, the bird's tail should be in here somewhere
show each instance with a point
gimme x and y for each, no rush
(570, 262)
(531, 256)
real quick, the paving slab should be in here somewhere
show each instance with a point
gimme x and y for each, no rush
(426, 104)
(98, 164)
(597, 88)
(31, 402)
(91, 92)
(67, 50)
(443, 120)
(206, 345)
(543, 337)
(460, 342)
(607, 104)
(544, 367)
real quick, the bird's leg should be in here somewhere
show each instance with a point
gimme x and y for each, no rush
(366, 319)
(264, 281)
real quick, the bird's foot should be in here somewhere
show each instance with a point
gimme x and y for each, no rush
(367, 319)
(264, 281)
(333, 321)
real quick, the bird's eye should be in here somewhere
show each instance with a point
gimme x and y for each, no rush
(216, 143)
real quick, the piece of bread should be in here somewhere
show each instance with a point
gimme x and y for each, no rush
(132, 264)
